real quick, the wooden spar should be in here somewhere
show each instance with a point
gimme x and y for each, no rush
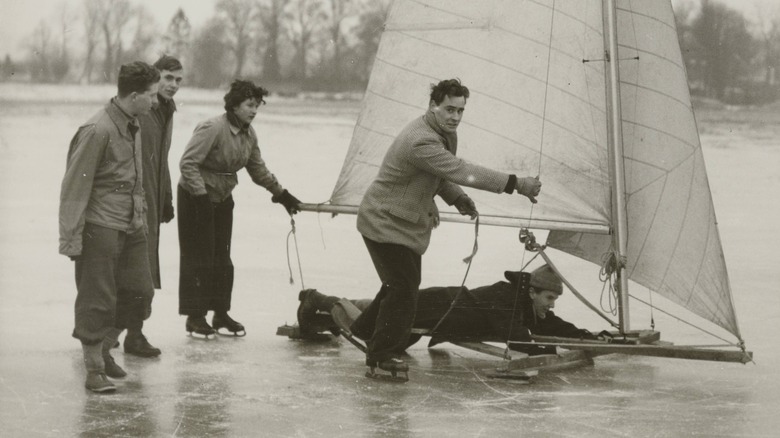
(616, 171)
(676, 352)
(502, 221)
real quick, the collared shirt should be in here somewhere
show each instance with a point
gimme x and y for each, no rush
(216, 151)
(103, 178)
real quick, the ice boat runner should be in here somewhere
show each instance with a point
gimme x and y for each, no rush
(592, 96)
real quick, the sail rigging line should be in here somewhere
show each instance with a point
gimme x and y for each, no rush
(606, 272)
(468, 261)
(739, 344)
(538, 174)
(297, 253)
(574, 290)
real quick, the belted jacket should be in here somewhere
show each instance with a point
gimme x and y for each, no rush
(217, 150)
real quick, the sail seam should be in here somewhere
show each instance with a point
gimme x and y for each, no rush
(663, 58)
(693, 146)
(504, 66)
(658, 92)
(649, 17)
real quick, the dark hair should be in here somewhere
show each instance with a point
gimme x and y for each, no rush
(136, 77)
(448, 87)
(167, 62)
(241, 91)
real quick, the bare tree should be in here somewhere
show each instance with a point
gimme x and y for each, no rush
(769, 34)
(726, 46)
(177, 39)
(371, 23)
(143, 30)
(305, 18)
(60, 63)
(271, 16)
(238, 16)
(339, 10)
(208, 55)
(91, 20)
(113, 16)
(40, 52)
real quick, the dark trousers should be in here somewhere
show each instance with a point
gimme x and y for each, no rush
(205, 267)
(387, 321)
(113, 281)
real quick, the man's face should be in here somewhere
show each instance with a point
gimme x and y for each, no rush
(169, 84)
(449, 112)
(247, 110)
(142, 102)
(543, 301)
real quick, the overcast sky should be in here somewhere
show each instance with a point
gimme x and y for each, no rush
(18, 18)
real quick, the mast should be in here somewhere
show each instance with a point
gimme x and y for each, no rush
(616, 169)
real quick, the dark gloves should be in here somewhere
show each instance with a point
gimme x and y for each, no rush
(167, 213)
(529, 187)
(466, 206)
(290, 202)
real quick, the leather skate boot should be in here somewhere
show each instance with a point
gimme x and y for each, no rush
(137, 345)
(223, 320)
(198, 325)
(110, 366)
(96, 380)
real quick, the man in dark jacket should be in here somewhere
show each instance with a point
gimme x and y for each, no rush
(156, 129)
(504, 311)
(102, 221)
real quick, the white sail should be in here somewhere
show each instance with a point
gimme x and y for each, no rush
(674, 246)
(536, 72)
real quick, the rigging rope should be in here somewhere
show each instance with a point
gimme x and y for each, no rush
(297, 253)
(468, 261)
(688, 323)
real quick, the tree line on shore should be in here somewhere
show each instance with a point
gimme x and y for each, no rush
(329, 45)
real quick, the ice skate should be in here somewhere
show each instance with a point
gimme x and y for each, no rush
(223, 320)
(396, 371)
(137, 345)
(198, 325)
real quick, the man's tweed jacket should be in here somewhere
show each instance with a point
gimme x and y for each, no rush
(398, 207)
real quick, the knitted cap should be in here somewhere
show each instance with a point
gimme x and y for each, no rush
(545, 278)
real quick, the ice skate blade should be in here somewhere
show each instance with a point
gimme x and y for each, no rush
(391, 376)
(197, 335)
(498, 373)
(232, 333)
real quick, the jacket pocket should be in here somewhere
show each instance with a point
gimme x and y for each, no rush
(407, 215)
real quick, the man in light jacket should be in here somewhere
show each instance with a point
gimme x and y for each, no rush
(398, 212)
(102, 221)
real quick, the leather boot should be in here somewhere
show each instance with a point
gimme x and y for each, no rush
(96, 376)
(111, 368)
(137, 345)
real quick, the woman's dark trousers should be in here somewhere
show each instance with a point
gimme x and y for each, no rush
(205, 267)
